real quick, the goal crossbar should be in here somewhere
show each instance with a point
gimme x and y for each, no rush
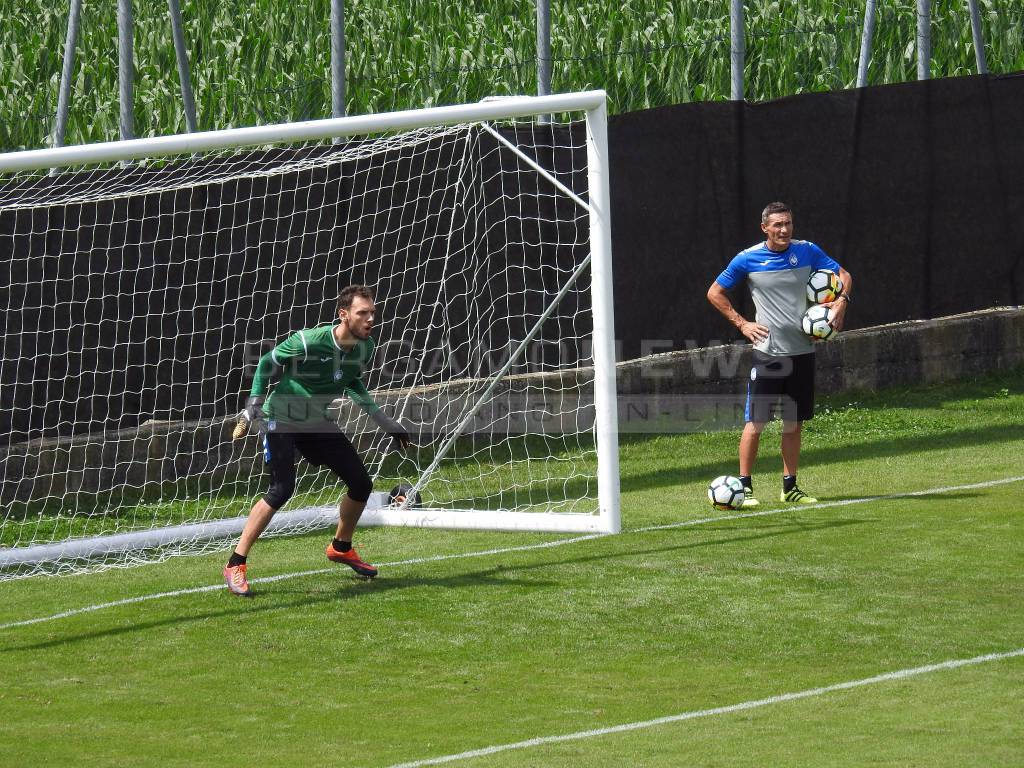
(310, 130)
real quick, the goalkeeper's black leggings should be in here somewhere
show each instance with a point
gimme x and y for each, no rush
(332, 450)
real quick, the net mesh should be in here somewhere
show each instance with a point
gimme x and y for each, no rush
(139, 297)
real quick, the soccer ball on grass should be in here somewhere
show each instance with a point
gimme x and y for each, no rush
(726, 492)
(823, 286)
(817, 322)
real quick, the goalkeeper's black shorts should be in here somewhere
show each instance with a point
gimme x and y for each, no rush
(780, 386)
(322, 449)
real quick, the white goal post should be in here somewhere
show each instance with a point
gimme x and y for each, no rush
(144, 275)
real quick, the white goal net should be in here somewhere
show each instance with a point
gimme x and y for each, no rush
(141, 281)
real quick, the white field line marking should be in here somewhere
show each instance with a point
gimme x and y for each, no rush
(829, 504)
(522, 548)
(297, 574)
(784, 697)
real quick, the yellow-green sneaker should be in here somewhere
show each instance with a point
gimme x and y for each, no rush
(796, 496)
(749, 503)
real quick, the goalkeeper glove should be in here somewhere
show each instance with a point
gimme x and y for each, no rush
(393, 428)
(253, 413)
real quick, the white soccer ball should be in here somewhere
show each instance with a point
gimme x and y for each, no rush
(726, 492)
(817, 322)
(823, 286)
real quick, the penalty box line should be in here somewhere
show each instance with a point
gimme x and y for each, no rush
(901, 674)
(521, 548)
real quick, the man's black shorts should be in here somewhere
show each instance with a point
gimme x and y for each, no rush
(331, 449)
(780, 386)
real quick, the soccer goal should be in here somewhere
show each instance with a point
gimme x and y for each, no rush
(143, 279)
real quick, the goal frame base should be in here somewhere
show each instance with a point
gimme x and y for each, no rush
(378, 512)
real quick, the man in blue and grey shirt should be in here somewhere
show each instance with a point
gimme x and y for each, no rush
(782, 374)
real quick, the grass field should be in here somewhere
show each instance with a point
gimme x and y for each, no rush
(268, 61)
(478, 648)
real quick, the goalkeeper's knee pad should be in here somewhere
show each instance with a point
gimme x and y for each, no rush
(359, 487)
(279, 493)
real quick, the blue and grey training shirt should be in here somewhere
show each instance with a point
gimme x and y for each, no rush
(778, 285)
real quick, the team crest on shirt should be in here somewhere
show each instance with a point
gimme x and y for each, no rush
(338, 375)
(792, 259)
(271, 425)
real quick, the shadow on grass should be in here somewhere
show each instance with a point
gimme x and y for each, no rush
(495, 576)
(898, 446)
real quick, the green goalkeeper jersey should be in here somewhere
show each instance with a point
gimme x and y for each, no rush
(314, 371)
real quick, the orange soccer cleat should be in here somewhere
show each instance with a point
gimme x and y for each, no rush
(351, 559)
(234, 575)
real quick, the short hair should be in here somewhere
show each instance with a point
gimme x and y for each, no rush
(775, 207)
(349, 292)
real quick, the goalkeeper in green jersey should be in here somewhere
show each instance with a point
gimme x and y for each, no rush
(315, 366)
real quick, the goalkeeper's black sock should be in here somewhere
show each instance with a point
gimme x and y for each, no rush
(341, 546)
(236, 559)
(788, 483)
(748, 484)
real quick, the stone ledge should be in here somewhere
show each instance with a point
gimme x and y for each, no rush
(897, 354)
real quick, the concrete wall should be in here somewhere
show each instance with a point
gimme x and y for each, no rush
(143, 459)
(907, 353)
